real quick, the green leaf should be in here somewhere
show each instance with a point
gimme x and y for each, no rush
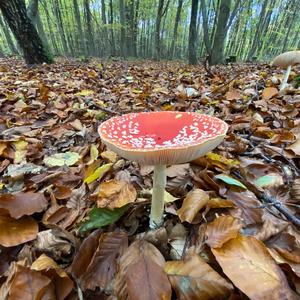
(231, 181)
(62, 159)
(269, 180)
(99, 217)
(98, 173)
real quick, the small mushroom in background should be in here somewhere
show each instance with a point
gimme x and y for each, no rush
(286, 61)
(160, 139)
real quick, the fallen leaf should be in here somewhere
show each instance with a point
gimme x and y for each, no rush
(136, 259)
(25, 284)
(116, 194)
(97, 268)
(268, 181)
(63, 285)
(98, 173)
(248, 264)
(194, 201)
(62, 159)
(295, 147)
(99, 217)
(21, 150)
(85, 93)
(15, 232)
(233, 95)
(21, 204)
(193, 278)
(93, 154)
(221, 230)
(109, 156)
(231, 181)
(269, 93)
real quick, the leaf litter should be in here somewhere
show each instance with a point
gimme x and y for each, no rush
(74, 215)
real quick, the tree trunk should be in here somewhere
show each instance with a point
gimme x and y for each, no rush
(160, 13)
(8, 37)
(14, 11)
(193, 33)
(217, 54)
(112, 35)
(205, 27)
(90, 45)
(79, 30)
(104, 21)
(123, 28)
(177, 19)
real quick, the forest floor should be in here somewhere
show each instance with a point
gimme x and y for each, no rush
(231, 217)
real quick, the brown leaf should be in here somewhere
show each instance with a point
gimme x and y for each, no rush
(21, 204)
(193, 278)
(269, 93)
(233, 95)
(146, 280)
(222, 230)
(295, 147)
(248, 264)
(25, 284)
(115, 194)
(63, 285)
(15, 232)
(195, 200)
(137, 251)
(95, 264)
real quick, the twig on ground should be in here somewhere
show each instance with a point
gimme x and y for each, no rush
(104, 109)
(268, 199)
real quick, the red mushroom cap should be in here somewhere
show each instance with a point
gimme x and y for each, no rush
(162, 138)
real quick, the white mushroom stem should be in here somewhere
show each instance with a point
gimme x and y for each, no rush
(286, 77)
(157, 205)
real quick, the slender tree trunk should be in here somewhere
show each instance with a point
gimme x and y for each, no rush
(160, 13)
(8, 37)
(205, 27)
(14, 11)
(57, 13)
(217, 54)
(103, 17)
(193, 33)
(78, 26)
(90, 44)
(177, 20)
(123, 28)
(112, 35)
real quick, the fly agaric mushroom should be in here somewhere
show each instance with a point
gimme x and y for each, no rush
(160, 139)
(286, 61)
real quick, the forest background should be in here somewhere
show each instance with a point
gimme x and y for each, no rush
(162, 29)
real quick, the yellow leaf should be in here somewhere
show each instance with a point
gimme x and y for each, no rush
(99, 172)
(269, 93)
(2, 185)
(93, 154)
(219, 160)
(21, 150)
(109, 156)
(62, 159)
(85, 93)
(193, 202)
(116, 194)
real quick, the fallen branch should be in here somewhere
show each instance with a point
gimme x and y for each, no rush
(267, 198)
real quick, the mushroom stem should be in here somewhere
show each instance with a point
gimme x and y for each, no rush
(157, 205)
(286, 77)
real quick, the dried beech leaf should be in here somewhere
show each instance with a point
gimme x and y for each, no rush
(116, 194)
(63, 285)
(146, 280)
(195, 200)
(137, 250)
(15, 232)
(21, 204)
(248, 264)
(222, 230)
(101, 267)
(25, 284)
(269, 93)
(193, 278)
